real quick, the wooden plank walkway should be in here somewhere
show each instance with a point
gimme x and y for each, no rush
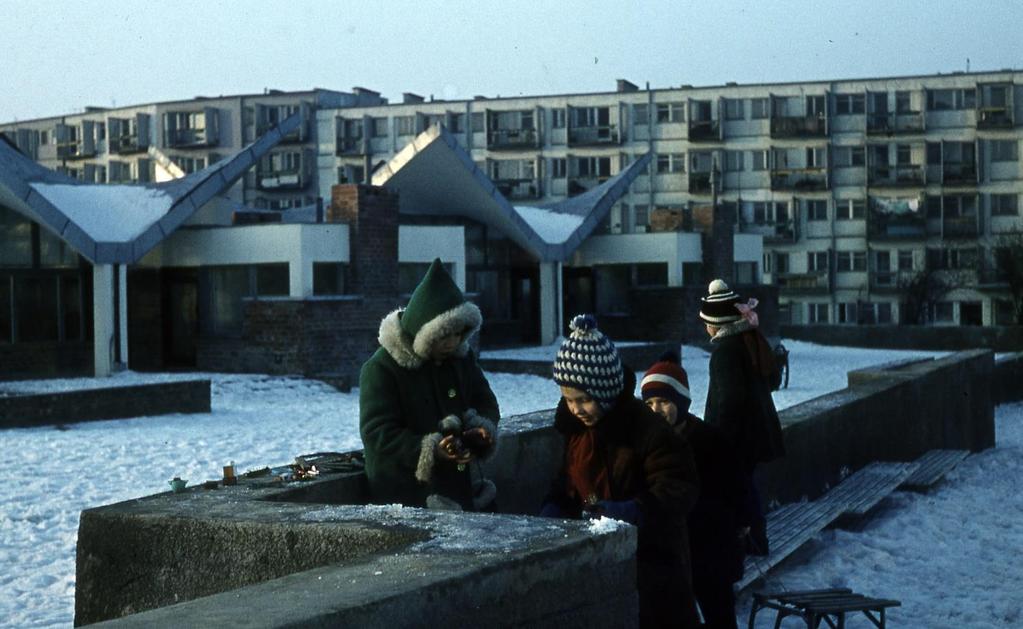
(933, 466)
(792, 525)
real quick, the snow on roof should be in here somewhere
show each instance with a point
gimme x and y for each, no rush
(553, 227)
(110, 213)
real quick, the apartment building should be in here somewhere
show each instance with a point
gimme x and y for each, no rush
(126, 144)
(859, 188)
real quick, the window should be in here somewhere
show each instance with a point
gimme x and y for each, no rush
(851, 261)
(934, 153)
(733, 161)
(671, 163)
(54, 252)
(883, 312)
(457, 123)
(767, 262)
(691, 273)
(760, 160)
(1001, 205)
(849, 156)
(650, 274)
(848, 104)
(587, 167)
(1004, 151)
(851, 209)
(817, 210)
(951, 99)
(816, 261)
(16, 236)
(670, 112)
(745, 273)
(846, 312)
(477, 121)
(558, 118)
(759, 108)
(406, 125)
(328, 278)
(735, 109)
(818, 313)
(781, 262)
(903, 105)
(6, 331)
(272, 280)
(559, 168)
(1004, 311)
(815, 157)
(942, 312)
(641, 114)
(905, 260)
(641, 217)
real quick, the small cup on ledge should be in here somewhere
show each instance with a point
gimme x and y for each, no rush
(177, 484)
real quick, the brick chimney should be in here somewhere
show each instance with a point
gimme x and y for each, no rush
(719, 244)
(372, 216)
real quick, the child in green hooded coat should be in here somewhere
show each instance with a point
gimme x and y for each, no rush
(427, 415)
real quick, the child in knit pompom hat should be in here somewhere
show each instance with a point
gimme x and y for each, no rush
(587, 360)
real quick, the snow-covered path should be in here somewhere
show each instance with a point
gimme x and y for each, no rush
(48, 476)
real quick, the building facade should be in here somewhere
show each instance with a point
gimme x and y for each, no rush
(879, 201)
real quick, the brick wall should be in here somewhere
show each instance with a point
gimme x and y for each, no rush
(324, 337)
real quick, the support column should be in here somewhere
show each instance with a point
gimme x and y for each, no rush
(122, 312)
(550, 301)
(103, 319)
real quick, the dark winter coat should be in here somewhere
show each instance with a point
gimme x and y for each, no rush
(644, 461)
(739, 399)
(402, 397)
(717, 551)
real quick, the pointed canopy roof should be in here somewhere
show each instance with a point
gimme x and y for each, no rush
(118, 224)
(434, 175)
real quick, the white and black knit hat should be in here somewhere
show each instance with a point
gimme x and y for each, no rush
(587, 360)
(718, 307)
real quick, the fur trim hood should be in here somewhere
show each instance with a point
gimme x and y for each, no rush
(410, 353)
(731, 329)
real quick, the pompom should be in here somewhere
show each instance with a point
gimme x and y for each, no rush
(670, 356)
(583, 323)
(717, 286)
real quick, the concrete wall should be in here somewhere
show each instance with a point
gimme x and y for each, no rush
(952, 338)
(1008, 380)
(42, 409)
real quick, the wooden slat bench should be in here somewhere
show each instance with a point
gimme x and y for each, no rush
(814, 606)
(792, 525)
(933, 466)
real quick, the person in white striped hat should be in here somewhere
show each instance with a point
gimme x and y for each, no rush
(622, 461)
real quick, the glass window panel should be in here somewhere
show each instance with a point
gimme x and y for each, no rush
(228, 285)
(5, 309)
(36, 308)
(54, 252)
(328, 278)
(272, 280)
(71, 307)
(16, 236)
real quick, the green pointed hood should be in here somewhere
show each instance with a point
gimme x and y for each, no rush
(437, 308)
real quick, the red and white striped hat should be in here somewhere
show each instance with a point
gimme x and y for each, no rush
(667, 379)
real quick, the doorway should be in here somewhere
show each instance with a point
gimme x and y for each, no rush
(180, 318)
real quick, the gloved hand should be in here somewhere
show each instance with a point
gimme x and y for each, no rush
(551, 510)
(624, 510)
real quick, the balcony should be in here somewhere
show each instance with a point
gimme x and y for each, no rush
(959, 227)
(515, 189)
(498, 139)
(189, 138)
(994, 118)
(281, 180)
(75, 149)
(700, 183)
(905, 123)
(350, 146)
(908, 226)
(777, 233)
(594, 136)
(904, 176)
(799, 127)
(580, 184)
(263, 126)
(890, 281)
(955, 173)
(805, 179)
(991, 276)
(704, 131)
(811, 283)
(127, 143)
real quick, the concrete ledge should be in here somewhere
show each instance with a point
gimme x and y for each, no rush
(365, 566)
(22, 410)
(919, 337)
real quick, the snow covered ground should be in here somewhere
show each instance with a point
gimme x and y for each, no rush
(955, 540)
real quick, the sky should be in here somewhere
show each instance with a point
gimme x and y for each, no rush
(57, 57)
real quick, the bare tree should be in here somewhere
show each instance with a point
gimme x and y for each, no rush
(1008, 257)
